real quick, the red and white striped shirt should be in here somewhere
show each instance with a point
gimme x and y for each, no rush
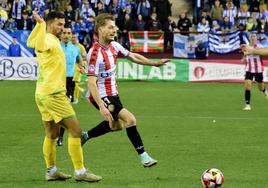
(102, 63)
(254, 63)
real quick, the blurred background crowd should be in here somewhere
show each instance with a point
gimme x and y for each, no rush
(142, 15)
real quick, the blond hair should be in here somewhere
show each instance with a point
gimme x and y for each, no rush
(101, 20)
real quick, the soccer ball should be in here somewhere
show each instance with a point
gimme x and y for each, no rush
(212, 178)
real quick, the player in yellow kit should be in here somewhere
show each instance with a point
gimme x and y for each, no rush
(51, 100)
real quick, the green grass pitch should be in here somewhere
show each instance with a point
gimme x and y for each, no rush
(175, 121)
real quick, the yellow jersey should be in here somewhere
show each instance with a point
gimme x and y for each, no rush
(51, 61)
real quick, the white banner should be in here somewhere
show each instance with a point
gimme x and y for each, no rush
(185, 45)
(18, 68)
(204, 71)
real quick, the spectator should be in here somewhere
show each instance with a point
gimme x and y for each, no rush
(230, 11)
(131, 8)
(243, 14)
(263, 12)
(140, 23)
(114, 9)
(26, 23)
(127, 26)
(39, 5)
(90, 24)
(203, 25)
(10, 25)
(76, 4)
(51, 5)
(144, 8)
(3, 16)
(251, 25)
(201, 50)
(94, 4)
(154, 24)
(5, 6)
(215, 26)
(28, 8)
(69, 15)
(82, 28)
(14, 48)
(216, 11)
(254, 5)
(197, 6)
(17, 10)
(168, 28)
(184, 24)
(163, 10)
(62, 5)
(205, 14)
(87, 11)
(262, 26)
(226, 25)
(100, 9)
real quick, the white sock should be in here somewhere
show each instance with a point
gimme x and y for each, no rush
(143, 154)
(52, 170)
(80, 172)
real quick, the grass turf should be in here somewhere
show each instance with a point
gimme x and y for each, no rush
(175, 121)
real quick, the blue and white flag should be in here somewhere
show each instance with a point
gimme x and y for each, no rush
(224, 42)
(185, 45)
(6, 40)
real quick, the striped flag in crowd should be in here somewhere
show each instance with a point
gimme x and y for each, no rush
(146, 41)
(224, 42)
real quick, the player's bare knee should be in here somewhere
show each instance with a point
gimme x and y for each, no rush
(52, 135)
(74, 133)
(131, 121)
(116, 127)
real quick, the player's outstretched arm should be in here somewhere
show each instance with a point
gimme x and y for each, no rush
(31, 41)
(139, 59)
(92, 80)
(257, 51)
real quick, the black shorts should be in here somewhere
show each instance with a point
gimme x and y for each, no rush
(113, 104)
(258, 77)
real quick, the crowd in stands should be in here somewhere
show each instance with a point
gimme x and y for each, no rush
(229, 15)
(140, 15)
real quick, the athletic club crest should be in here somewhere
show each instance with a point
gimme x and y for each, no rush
(199, 72)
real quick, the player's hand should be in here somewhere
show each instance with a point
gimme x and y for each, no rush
(246, 49)
(162, 62)
(37, 17)
(106, 114)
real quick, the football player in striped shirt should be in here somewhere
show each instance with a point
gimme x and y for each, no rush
(103, 88)
(254, 69)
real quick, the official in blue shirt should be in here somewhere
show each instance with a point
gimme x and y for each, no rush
(14, 48)
(72, 56)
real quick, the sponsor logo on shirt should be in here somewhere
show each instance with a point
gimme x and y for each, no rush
(91, 68)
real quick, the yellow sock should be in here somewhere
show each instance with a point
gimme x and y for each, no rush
(76, 91)
(76, 152)
(49, 151)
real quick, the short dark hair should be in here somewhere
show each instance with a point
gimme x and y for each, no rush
(54, 14)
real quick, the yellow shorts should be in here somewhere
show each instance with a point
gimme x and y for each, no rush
(54, 107)
(77, 73)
